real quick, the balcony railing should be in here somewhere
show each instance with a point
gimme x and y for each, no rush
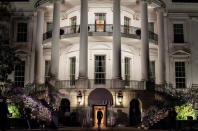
(126, 30)
(107, 83)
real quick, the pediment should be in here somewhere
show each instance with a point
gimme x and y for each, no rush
(180, 53)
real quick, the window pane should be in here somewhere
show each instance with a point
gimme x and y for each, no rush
(178, 33)
(180, 74)
(22, 32)
(19, 74)
(100, 66)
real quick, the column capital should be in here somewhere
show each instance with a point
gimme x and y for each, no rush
(42, 9)
(160, 9)
(56, 1)
(144, 1)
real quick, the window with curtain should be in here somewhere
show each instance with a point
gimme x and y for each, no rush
(100, 21)
(178, 33)
(22, 32)
(126, 24)
(180, 79)
(152, 71)
(47, 69)
(73, 21)
(72, 70)
(100, 69)
(127, 70)
(49, 26)
(19, 74)
(151, 26)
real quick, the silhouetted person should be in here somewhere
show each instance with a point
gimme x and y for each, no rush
(99, 117)
(172, 119)
(3, 114)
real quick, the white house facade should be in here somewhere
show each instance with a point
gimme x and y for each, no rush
(111, 48)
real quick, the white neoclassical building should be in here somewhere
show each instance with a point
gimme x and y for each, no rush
(106, 52)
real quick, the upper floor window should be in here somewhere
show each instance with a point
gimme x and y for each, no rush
(22, 32)
(73, 21)
(126, 24)
(180, 79)
(72, 70)
(151, 26)
(100, 21)
(49, 26)
(127, 70)
(47, 69)
(19, 74)
(178, 33)
(100, 69)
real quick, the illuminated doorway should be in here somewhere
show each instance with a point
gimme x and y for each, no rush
(103, 121)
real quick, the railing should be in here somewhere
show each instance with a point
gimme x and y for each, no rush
(126, 30)
(135, 85)
(62, 84)
(107, 83)
(31, 89)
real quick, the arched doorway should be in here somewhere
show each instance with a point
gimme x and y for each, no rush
(99, 99)
(134, 112)
(64, 111)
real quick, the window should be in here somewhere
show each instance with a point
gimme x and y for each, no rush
(49, 26)
(178, 33)
(127, 70)
(100, 19)
(72, 70)
(151, 27)
(47, 69)
(100, 70)
(22, 32)
(19, 74)
(73, 24)
(180, 74)
(126, 24)
(152, 71)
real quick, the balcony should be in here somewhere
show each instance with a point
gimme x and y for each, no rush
(101, 30)
(132, 84)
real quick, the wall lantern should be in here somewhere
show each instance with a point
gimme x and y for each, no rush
(120, 97)
(79, 97)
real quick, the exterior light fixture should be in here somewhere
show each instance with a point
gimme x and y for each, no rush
(79, 97)
(120, 97)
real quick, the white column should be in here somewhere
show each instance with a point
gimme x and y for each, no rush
(32, 64)
(161, 46)
(83, 55)
(116, 72)
(39, 47)
(144, 41)
(54, 70)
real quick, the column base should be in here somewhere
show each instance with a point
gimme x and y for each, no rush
(82, 83)
(117, 84)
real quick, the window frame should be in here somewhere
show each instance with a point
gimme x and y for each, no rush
(72, 74)
(21, 76)
(99, 81)
(176, 33)
(180, 77)
(22, 33)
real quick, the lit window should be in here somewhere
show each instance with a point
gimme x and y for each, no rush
(47, 69)
(178, 33)
(127, 70)
(73, 24)
(19, 74)
(100, 70)
(126, 24)
(22, 32)
(100, 19)
(152, 71)
(72, 70)
(180, 74)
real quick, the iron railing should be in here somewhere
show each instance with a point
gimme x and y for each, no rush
(127, 30)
